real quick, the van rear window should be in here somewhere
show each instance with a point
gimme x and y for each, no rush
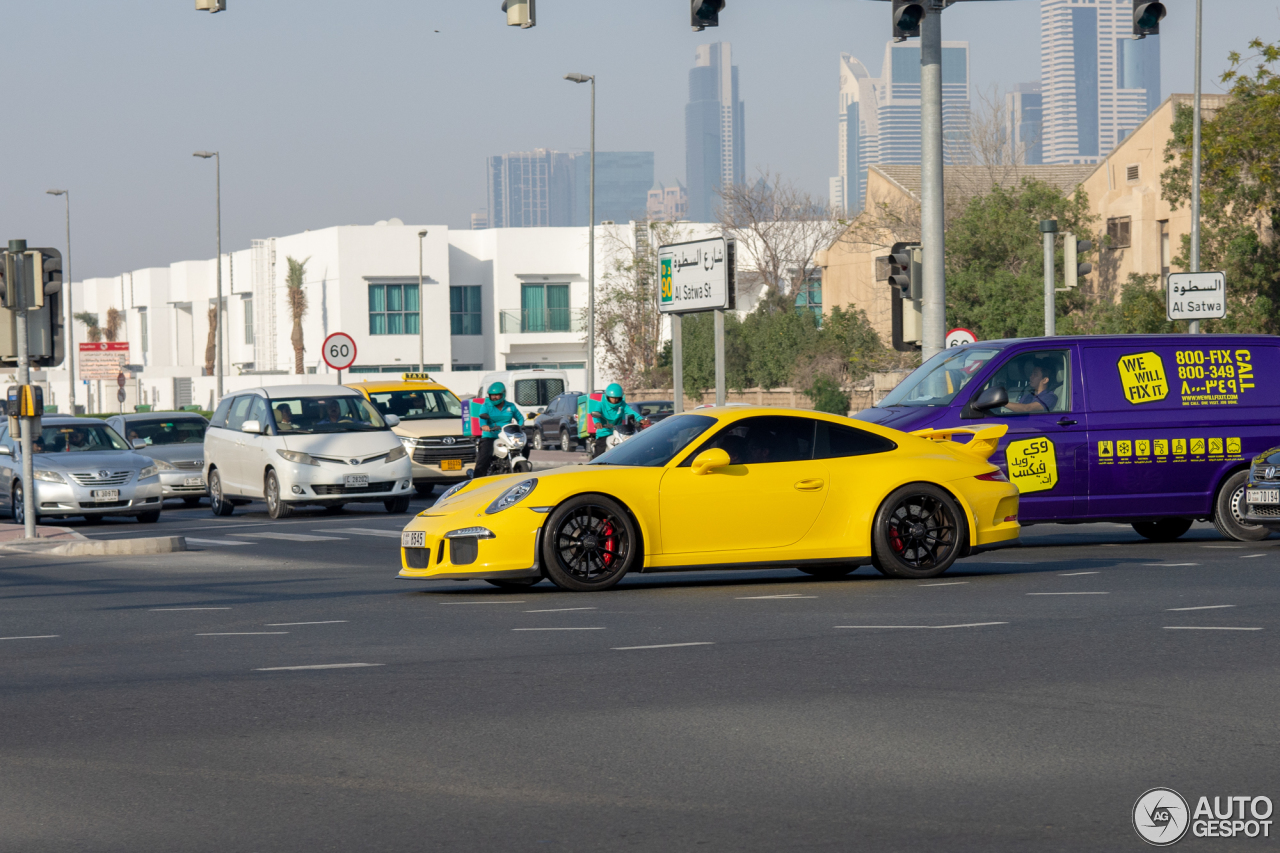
(537, 392)
(1157, 376)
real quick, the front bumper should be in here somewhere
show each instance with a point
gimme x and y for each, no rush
(325, 483)
(174, 483)
(1265, 515)
(58, 499)
(512, 552)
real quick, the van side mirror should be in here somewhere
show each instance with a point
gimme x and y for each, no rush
(709, 460)
(5, 451)
(251, 426)
(392, 420)
(139, 443)
(992, 398)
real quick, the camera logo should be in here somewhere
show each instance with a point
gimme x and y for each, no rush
(1160, 817)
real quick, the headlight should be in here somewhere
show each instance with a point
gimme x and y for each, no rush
(48, 476)
(298, 457)
(512, 496)
(453, 490)
(149, 471)
(397, 453)
(407, 442)
(163, 466)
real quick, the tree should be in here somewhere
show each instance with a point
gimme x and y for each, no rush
(90, 322)
(1240, 189)
(297, 308)
(114, 321)
(211, 342)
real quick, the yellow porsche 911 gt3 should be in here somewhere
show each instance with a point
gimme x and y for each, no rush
(727, 488)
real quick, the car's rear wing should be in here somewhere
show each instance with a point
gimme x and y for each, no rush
(982, 442)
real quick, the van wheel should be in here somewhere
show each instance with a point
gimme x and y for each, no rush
(217, 500)
(276, 508)
(1164, 530)
(1228, 511)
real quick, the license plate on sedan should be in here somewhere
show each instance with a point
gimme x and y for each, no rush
(105, 494)
(413, 539)
(193, 481)
(451, 465)
(356, 481)
(1263, 496)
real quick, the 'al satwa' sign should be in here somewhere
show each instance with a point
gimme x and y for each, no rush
(696, 276)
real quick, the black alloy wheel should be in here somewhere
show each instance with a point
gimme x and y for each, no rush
(589, 543)
(919, 532)
(1229, 509)
(276, 508)
(1162, 530)
(217, 500)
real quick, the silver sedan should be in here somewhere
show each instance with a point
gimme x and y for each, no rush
(81, 467)
(175, 442)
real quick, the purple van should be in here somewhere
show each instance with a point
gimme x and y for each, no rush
(1152, 430)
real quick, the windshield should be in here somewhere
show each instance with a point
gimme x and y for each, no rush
(312, 415)
(417, 405)
(658, 445)
(156, 433)
(939, 380)
(73, 438)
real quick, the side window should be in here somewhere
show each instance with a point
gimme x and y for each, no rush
(219, 418)
(834, 441)
(757, 441)
(238, 413)
(1037, 383)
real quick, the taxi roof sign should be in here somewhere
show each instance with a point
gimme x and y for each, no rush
(416, 377)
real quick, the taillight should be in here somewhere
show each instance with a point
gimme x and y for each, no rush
(996, 476)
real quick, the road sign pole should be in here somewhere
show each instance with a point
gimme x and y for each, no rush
(934, 302)
(677, 363)
(1195, 164)
(1049, 227)
(719, 329)
(18, 293)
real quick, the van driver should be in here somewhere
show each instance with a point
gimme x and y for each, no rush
(1038, 398)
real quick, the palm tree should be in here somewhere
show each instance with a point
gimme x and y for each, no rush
(211, 344)
(297, 308)
(90, 321)
(114, 320)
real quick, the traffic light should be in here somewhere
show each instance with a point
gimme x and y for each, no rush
(705, 13)
(520, 13)
(907, 16)
(211, 5)
(45, 325)
(900, 270)
(908, 287)
(1146, 18)
(1073, 270)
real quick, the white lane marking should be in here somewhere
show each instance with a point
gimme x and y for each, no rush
(1222, 546)
(926, 627)
(788, 595)
(560, 610)
(948, 583)
(285, 624)
(33, 637)
(215, 542)
(242, 634)
(557, 629)
(456, 603)
(291, 537)
(164, 609)
(316, 666)
(1205, 607)
(662, 646)
(1170, 565)
(1205, 628)
(1068, 593)
(365, 531)
(1250, 556)
(972, 625)
(1077, 574)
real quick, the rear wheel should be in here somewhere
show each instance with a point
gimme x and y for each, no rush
(514, 583)
(566, 443)
(395, 506)
(590, 543)
(918, 533)
(537, 438)
(1228, 511)
(1163, 530)
(217, 500)
(276, 508)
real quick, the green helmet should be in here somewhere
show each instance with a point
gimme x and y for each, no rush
(499, 389)
(614, 390)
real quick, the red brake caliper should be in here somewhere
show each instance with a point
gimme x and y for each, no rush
(607, 529)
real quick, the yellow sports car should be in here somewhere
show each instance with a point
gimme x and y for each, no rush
(727, 488)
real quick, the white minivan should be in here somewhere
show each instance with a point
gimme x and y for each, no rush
(530, 389)
(304, 444)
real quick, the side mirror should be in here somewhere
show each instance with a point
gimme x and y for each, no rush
(992, 398)
(392, 420)
(5, 451)
(251, 426)
(139, 443)
(709, 460)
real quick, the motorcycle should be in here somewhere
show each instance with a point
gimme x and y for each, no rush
(621, 433)
(508, 452)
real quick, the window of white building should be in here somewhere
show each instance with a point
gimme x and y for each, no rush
(393, 309)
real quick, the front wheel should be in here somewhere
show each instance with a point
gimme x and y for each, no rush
(217, 500)
(589, 544)
(18, 506)
(1228, 511)
(276, 508)
(1163, 530)
(918, 532)
(396, 506)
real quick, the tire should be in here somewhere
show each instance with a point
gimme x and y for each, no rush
(1163, 530)
(918, 532)
(276, 508)
(425, 490)
(396, 506)
(149, 517)
(589, 544)
(566, 443)
(17, 505)
(333, 509)
(217, 500)
(830, 572)
(514, 583)
(521, 466)
(1228, 511)
(537, 438)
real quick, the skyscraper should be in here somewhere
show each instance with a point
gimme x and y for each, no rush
(859, 131)
(1024, 130)
(529, 189)
(1099, 83)
(713, 127)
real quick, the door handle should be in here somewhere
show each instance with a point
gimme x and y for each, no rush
(1065, 421)
(809, 485)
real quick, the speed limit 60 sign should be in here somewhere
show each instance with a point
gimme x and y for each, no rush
(339, 351)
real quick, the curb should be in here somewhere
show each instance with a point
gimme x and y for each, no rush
(99, 547)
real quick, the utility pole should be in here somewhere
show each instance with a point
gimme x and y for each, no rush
(16, 284)
(422, 347)
(217, 314)
(1195, 163)
(1049, 228)
(66, 294)
(934, 301)
(591, 238)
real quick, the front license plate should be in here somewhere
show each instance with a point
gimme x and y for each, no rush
(356, 481)
(105, 494)
(1263, 496)
(193, 481)
(413, 539)
(451, 465)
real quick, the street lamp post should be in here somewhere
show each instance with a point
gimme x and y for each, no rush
(1195, 164)
(422, 363)
(217, 313)
(66, 294)
(591, 240)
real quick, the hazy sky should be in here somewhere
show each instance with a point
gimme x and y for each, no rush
(331, 112)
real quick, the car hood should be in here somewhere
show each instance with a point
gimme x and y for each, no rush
(429, 427)
(112, 460)
(352, 444)
(173, 452)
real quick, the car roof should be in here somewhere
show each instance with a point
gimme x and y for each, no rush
(67, 420)
(375, 386)
(162, 416)
(279, 391)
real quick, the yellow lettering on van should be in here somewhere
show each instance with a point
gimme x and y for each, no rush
(1033, 464)
(1143, 378)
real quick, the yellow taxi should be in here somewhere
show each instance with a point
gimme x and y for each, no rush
(728, 488)
(430, 427)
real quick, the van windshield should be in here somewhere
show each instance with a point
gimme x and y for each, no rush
(939, 380)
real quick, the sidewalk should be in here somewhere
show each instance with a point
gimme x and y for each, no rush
(10, 532)
(65, 542)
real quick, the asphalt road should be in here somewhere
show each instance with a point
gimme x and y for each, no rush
(1021, 702)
